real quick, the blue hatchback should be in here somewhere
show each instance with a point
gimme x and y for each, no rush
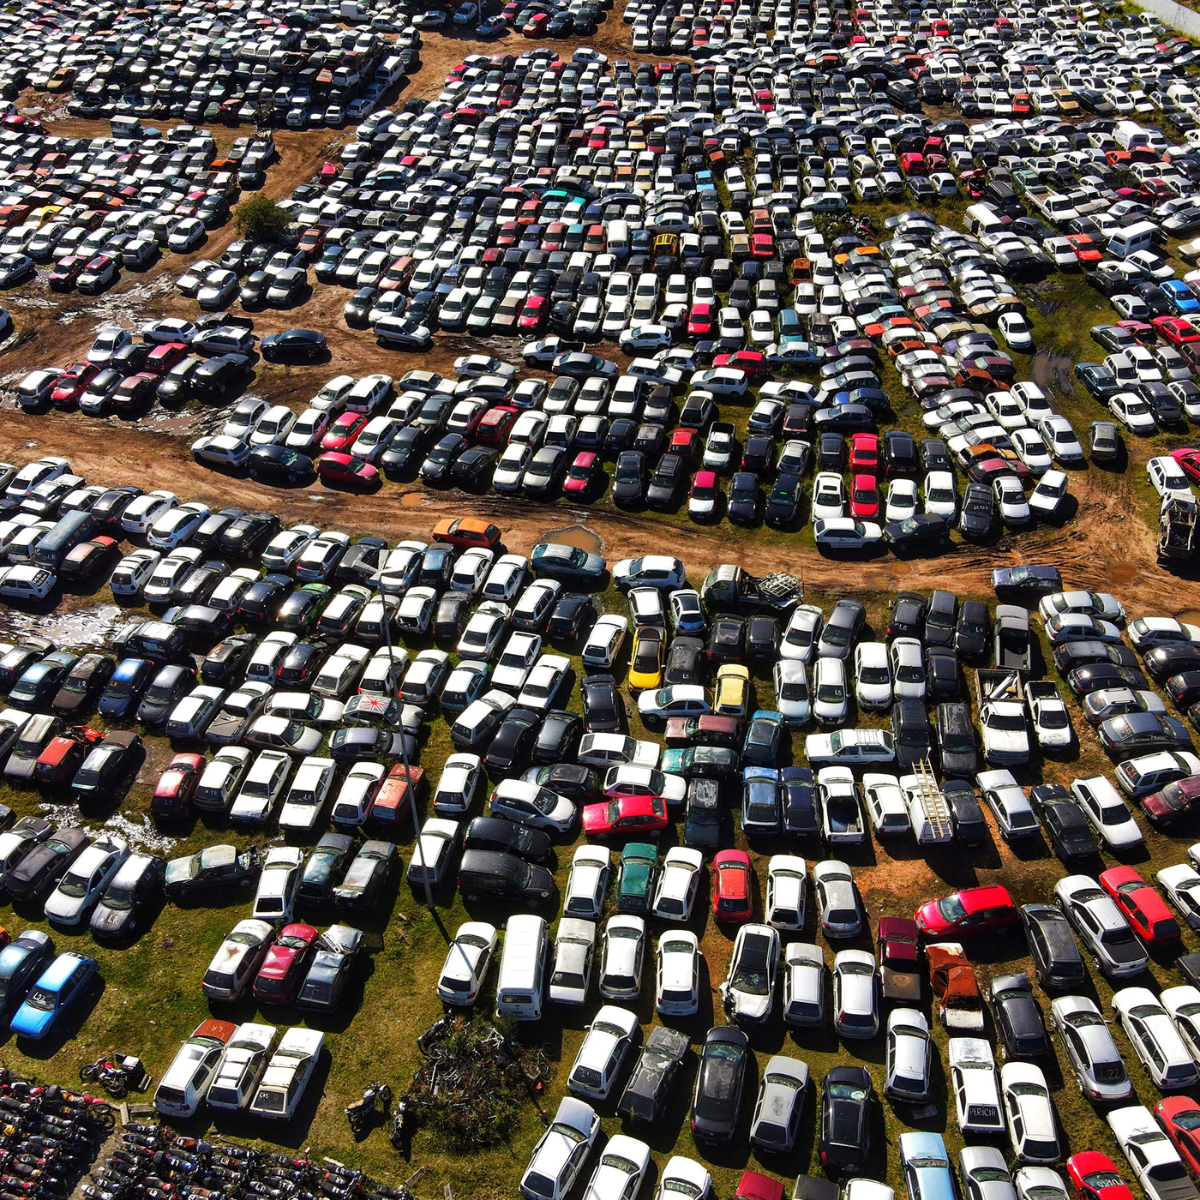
(60, 988)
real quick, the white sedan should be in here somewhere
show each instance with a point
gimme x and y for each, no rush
(845, 533)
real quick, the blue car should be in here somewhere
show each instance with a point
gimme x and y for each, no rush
(926, 1166)
(61, 987)
(1180, 298)
(21, 962)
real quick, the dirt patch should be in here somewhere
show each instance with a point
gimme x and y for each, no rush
(579, 536)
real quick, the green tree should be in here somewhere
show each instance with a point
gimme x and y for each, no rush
(261, 219)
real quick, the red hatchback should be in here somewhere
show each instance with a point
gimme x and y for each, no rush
(1180, 1117)
(344, 430)
(733, 886)
(176, 787)
(1188, 458)
(72, 384)
(336, 467)
(969, 912)
(493, 426)
(700, 320)
(625, 816)
(1095, 1177)
(1140, 904)
(1174, 803)
(582, 475)
(279, 977)
(864, 453)
(864, 497)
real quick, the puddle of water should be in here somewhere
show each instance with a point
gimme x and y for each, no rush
(579, 536)
(899, 567)
(1053, 371)
(1122, 572)
(1190, 616)
(70, 630)
(412, 499)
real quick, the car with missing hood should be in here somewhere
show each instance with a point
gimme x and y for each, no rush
(331, 967)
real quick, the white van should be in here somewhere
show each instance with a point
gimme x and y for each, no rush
(1142, 235)
(982, 218)
(618, 238)
(521, 983)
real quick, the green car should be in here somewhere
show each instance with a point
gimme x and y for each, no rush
(712, 762)
(636, 878)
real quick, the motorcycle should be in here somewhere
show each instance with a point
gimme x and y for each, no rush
(362, 1112)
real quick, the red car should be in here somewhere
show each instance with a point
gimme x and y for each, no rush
(72, 383)
(733, 886)
(336, 467)
(177, 786)
(1140, 904)
(864, 497)
(1096, 1177)
(162, 358)
(493, 426)
(1176, 330)
(1085, 249)
(396, 794)
(1180, 1117)
(972, 911)
(625, 816)
(582, 475)
(1188, 458)
(534, 313)
(1173, 803)
(279, 977)
(753, 362)
(64, 755)
(753, 1186)
(864, 453)
(344, 430)
(685, 443)
(762, 245)
(700, 320)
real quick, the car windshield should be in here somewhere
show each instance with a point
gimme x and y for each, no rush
(42, 998)
(847, 1091)
(952, 908)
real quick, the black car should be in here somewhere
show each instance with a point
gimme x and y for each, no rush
(25, 958)
(576, 782)
(130, 897)
(1184, 688)
(83, 685)
(450, 616)
(934, 455)
(942, 678)
(294, 345)
(977, 520)
(108, 766)
(758, 454)
(558, 738)
(629, 479)
(940, 618)
(405, 451)
(40, 870)
(438, 464)
(702, 825)
(1164, 661)
(668, 477)
(603, 708)
(1098, 676)
(648, 1091)
(1086, 652)
(899, 453)
(800, 802)
(918, 530)
(329, 971)
(20, 658)
(762, 637)
(356, 310)
(359, 743)
(910, 731)
(1068, 829)
(1057, 962)
(1017, 1016)
(972, 633)
(367, 876)
(685, 661)
(512, 744)
(110, 507)
(842, 629)
(726, 639)
(325, 865)
(214, 870)
(247, 537)
(263, 599)
(492, 874)
(831, 452)
(170, 685)
(472, 470)
(908, 617)
(544, 475)
(279, 464)
(742, 502)
(969, 826)
(845, 1134)
(956, 740)
(1032, 581)
(572, 614)
(500, 836)
(720, 1081)
(42, 680)
(362, 560)
(783, 501)
(225, 665)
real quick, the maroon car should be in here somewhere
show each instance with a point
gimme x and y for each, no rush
(1173, 803)
(177, 787)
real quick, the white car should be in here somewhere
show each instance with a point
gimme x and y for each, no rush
(467, 962)
(1097, 920)
(1029, 1114)
(516, 660)
(262, 787)
(71, 902)
(837, 899)
(748, 992)
(357, 793)
(849, 747)
(845, 533)
(784, 905)
(603, 750)
(287, 1074)
(458, 785)
(604, 641)
(1051, 720)
(1106, 812)
(677, 974)
(623, 946)
(626, 779)
(1090, 1049)
(1147, 632)
(906, 1074)
(1095, 604)
(185, 1082)
(1047, 497)
(901, 499)
(830, 691)
(975, 1085)
(470, 569)
(1133, 412)
(603, 1052)
(574, 955)
(1183, 1005)
(587, 883)
(1016, 331)
(276, 894)
(803, 985)
(1154, 1038)
(1167, 477)
(1155, 1163)
(133, 572)
(829, 497)
(1182, 886)
(561, 1151)
(908, 669)
(678, 884)
(792, 697)
(684, 1177)
(528, 804)
(621, 1169)
(1011, 501)
(872, 675)
(306, 796)
(775, 1123)
(1032, 450)
(803, 632)
(241, 1066)
(1150, 772)
(855, 994)
(883, 798)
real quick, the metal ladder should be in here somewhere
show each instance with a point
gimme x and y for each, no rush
(933, 804)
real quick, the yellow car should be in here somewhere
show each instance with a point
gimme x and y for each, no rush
(732, 694)
(646, 661)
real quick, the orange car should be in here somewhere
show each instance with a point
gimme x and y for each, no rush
(466, 531)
